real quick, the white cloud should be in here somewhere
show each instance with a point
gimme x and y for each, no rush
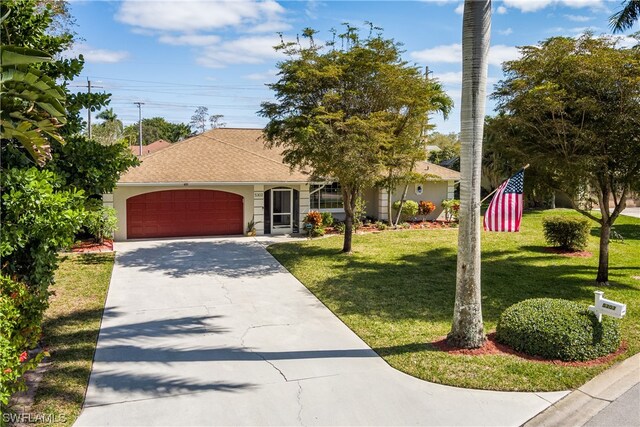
(501, 53)
(578, 18)
(535, 5)
(501, 10)
(460, 9)
(244, 50)
(570, 31)
(627, 42)
(189, 39)
(506, 32)
(444, 53)
(450, 78)
(105, 56)
(267, 76)
(453, 54)
(191, 16)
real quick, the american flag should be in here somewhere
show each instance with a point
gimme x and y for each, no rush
(505, 209)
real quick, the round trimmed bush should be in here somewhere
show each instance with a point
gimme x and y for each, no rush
(567, 232)
(557, 329)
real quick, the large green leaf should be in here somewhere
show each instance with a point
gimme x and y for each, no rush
(15, 55)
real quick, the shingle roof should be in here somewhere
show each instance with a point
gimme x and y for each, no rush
(443, 173)
(218, 155)
(230, 155)
(151, 148)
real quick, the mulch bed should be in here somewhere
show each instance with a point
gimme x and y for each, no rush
(565, 252)
(91, 246)
(491, 347)
(418, 225)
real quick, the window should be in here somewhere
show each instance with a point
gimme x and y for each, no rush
(328, 197)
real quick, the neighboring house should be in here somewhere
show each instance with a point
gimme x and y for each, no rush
(216, 182)
(151, 148)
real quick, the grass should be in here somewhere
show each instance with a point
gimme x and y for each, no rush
(71, 327)
(396, 291)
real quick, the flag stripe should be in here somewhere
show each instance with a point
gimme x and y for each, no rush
(505, 209)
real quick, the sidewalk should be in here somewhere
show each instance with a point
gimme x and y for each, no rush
(611, 398)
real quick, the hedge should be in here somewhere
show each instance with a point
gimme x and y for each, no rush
(557, 329)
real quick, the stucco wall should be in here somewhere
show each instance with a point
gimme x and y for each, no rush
(121, 194)
(434, 191)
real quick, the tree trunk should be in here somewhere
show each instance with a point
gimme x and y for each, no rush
(404, 197)
(603, 258)
(467, 329)
(389, 208)
(349, 201)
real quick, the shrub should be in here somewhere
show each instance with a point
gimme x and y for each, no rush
(381, 225)
(339, 227)
(570, 233)
(314, 218)
(451, 209)
(425, 207)
(317, 232)
(20, 317)
(359, 213)
(100, 221)
(405, 225)
(38, 219)
(557, 329)
(327, 219)
(409, 208)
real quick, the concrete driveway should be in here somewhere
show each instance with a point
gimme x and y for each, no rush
(217, 332)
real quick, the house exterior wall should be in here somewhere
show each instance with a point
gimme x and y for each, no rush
(253, 196)
(434, 191)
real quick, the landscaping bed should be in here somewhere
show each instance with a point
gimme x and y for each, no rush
(70, 332)
(412, 225)
(396, 291)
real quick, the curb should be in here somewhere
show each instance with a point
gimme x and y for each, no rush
(579, 406)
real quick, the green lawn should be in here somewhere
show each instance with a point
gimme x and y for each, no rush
(71, 327)
(396, 291)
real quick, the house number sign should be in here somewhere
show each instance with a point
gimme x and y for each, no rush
(258, 194)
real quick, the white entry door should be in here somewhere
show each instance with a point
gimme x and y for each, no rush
(281, 211)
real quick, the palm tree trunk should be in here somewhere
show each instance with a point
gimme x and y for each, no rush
(467, 330)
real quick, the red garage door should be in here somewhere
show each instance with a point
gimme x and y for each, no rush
(181, 213)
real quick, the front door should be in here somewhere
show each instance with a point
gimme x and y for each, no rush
(281, 211)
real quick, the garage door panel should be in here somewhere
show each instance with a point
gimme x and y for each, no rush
(182, 213)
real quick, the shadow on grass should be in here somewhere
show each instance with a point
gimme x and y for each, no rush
(627, 231)
(422, 285)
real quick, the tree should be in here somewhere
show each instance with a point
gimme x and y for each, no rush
(90, 166)
(216, 121)
(156, 128)
(573, 107)
(625, 17)
(339, 110)
(467, 330)
(110, 130)
(449, 145)
(199, 119)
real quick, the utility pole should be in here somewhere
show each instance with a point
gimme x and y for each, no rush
(89, 86)
(140, 104)
(89, 107)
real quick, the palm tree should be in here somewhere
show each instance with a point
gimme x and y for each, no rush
(467, 330)
(110, 130)
(625, 17)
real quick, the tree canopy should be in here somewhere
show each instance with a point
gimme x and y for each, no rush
(342, 106)
(156, 128)
(572, 108)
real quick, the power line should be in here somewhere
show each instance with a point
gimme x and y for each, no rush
(88, 86)
(242, 87)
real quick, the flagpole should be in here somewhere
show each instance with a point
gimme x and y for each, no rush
(491, 194)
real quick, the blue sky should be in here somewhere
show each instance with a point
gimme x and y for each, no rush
(177, 55)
